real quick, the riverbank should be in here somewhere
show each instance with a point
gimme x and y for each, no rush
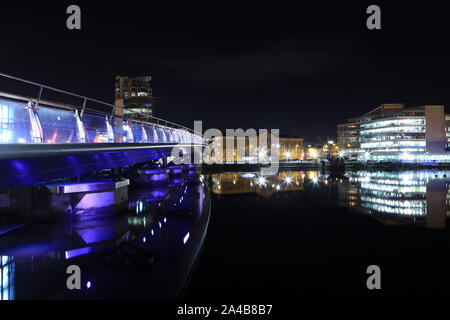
(252, 167)
(394, 166)
(338, 166)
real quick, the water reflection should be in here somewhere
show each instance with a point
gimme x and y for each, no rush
(418, 197)
(7, 269)
(266, 186)
(407, 197)
(148, 252)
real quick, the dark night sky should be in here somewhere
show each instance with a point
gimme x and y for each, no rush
(301, 68)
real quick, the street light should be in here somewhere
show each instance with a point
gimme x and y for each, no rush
(287, 154)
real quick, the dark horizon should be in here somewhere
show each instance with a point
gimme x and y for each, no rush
(302, 69)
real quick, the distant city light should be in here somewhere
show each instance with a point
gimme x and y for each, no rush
(261, 181)
(262, 153)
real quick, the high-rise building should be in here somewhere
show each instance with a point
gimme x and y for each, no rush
(393, 132)
(135, 96)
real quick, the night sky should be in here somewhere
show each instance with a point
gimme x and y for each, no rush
(302, 68)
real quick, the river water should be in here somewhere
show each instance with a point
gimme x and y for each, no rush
(245, 236)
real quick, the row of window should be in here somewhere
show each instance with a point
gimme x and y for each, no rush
(393, 122)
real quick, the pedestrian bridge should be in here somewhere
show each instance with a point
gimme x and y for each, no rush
(42, 139)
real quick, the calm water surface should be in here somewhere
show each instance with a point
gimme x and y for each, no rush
(242, 235)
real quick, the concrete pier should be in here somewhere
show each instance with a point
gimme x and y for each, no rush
(64, 200)
(89, 199)
(152, 177)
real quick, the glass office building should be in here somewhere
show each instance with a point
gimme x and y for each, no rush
(392, 132)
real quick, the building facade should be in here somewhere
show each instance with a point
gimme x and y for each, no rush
(392, 132)
(288, 148)
(134, 95)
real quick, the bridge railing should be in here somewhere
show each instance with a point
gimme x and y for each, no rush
(35, 120)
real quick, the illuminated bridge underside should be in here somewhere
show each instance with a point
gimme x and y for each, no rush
(28, 164)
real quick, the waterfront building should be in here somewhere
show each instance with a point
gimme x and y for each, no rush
(134, 95)
(328, 149)
(289, 148)
(392, 132)
(322, 151)
(311, 152)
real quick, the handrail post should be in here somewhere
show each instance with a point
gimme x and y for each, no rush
(81, 130)
(37, 133)
(39, 98)
(83, 107)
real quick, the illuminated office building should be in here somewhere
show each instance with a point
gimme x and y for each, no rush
(134, 95)
(392, 132)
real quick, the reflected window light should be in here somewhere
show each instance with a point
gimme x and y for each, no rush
(7, 273)
(186, 238)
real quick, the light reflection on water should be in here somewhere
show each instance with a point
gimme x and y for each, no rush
(318, 238)
(147, 252)
(402, 197)
(240, 183)
(418, 197)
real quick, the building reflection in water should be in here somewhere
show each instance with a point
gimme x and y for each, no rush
(241, 183)
(417, 197)
(149, 252)
(7, 269)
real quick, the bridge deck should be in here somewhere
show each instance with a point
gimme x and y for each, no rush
(26, 164)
